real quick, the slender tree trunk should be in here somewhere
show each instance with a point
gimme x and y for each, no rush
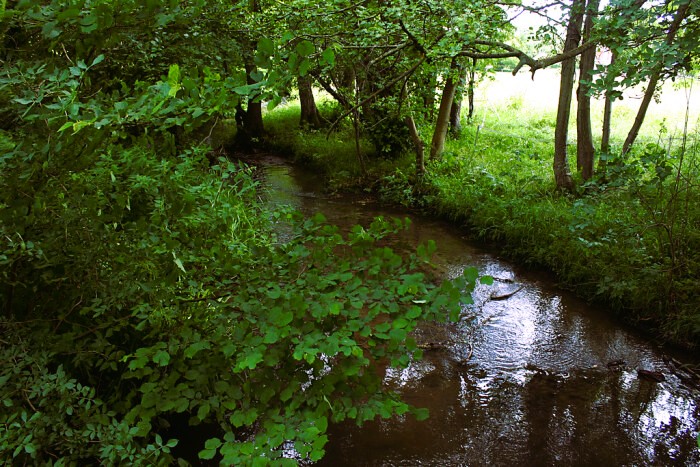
(562, 175)
(607, 117)
(456, 109)
(358, 148)
(470, 89)
(585, 153)
(443, 120)
(417, 144)
(456, 115)
(309, 112)
(681, 13)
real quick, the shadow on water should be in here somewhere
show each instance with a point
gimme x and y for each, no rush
(538, 378)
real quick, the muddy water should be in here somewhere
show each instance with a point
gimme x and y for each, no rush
(539, 378)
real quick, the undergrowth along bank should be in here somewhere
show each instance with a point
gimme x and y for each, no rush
(629, 238)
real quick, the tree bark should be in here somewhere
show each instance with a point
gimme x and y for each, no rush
(456, 115)
(417, 144)
(607, 117)
(470, 89)
(562, 175)
(585, 153)
(443, 120)
(681, 13)
(456, 109)
(309, 112)
(254, 127)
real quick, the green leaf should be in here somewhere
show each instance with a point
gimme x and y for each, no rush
(178, 262)
(471, 274)
(486, 280)
(398, 334)
(305, 48)
(77, 126)
(421, 414)
(97, 60)
(174, 80)
(415, 312)
(280, 317)
(203, 411)
(65, 126)
(328, 56)
(192, 350)
(212, 443)
(161, 357)
(266, 46)
(207, 454)
(251, 360)
(304, 67)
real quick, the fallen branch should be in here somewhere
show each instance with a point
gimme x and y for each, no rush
(495, 296)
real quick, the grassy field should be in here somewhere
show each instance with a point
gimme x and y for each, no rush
(499, 99)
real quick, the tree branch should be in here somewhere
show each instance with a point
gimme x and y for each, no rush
(403, 75)
(524, 59)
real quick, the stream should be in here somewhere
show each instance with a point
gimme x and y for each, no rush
(539, 378)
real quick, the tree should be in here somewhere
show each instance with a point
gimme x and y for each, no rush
(309, 112)
(682, 12)
(585, 153)
(562, 174)
(443, 118)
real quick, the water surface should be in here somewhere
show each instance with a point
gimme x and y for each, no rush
(539, 378)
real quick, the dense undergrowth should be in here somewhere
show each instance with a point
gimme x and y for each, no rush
(146, 297)
(628, 238)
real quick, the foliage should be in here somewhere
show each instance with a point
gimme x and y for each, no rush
(144, 291)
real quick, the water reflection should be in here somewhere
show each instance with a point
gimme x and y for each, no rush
(538, 378)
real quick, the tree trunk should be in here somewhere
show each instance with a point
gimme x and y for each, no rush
(607, 117)
(585, 153)
(456, 115)
(254, 127)
(417, 144)
(470, 90)
(309, 112)
(253, 122)
(456, 109)
(358, 148)
(443, 120)
(562, 175)
(681, 13)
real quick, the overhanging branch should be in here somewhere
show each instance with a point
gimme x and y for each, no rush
(523, 58)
